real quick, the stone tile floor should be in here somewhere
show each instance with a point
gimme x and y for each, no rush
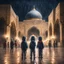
(50, 56)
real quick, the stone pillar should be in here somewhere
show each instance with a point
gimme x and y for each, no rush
(60, 34)
(8, 36)
(48, 33)
(53, 34)
(63, 35)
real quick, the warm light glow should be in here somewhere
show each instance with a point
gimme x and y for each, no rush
(6, 59)
(53, 57)
(17, 38)
(18, 57)
(50, 38)
(31, 36)
(53, 37)
(6, 36)
(36, 39)
(47, 39)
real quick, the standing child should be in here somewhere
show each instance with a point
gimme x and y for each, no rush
(24, 47)
(32, 47)
(40, 47)
(11, 44)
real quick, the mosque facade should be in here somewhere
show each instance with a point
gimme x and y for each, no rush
(33, 25)
(12, 28)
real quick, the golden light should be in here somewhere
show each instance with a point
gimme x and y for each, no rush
(6, 36)
(6, 59)
(36, 39)
(47, 39)
(50, 38)
(53, 37)
(17, 38)
(53, 57)
(18, 57)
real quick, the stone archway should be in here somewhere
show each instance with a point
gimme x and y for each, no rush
(50, 30)
(57, 31)
(3, 28)
(20, 34)
(13, 30)
(33, 31)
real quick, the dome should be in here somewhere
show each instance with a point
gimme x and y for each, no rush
(33, 14)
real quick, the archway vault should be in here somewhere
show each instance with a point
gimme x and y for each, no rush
(57, 31)
(50, 30)
(3, 25)
(13, 30)
(33, 31)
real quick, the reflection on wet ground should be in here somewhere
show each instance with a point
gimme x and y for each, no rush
(50, 56)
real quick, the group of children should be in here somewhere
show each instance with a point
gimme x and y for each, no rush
(32, 46)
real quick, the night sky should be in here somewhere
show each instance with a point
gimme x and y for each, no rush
(22, 7)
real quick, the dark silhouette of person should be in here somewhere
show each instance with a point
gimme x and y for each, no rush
(40, 47)
(4, 44)
(32, 47)
(24, 47)
(8, 44)
(55, 44)
(49, 44)
(11, 44)
(15, 43)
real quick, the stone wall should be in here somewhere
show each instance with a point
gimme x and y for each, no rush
(40, 25)
(8, 14)
(56, 19)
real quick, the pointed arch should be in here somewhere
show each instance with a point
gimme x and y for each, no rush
(57, 30)
(3, 25)
(33, 31)
(13, 30)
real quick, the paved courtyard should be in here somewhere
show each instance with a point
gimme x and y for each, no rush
(50, 56)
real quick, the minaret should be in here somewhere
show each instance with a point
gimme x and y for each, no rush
(34, 7)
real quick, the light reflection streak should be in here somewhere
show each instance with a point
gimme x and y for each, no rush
(18, 56)
(6, 59)
(53, 57)
(17, 38)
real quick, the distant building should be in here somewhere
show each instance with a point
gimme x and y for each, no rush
(33, 25)
(12, 28)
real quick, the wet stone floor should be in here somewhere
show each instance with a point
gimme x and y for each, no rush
(50, 56)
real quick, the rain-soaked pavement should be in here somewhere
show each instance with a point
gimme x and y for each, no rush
(50, 56)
